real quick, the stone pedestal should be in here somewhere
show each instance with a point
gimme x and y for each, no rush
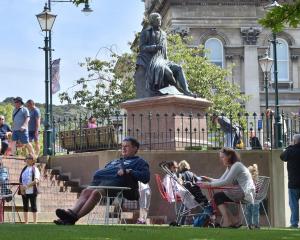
(167, 122)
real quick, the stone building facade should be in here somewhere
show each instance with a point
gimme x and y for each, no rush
(231, 32)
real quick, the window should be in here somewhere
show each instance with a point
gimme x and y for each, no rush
(214, 53)
(282, 61)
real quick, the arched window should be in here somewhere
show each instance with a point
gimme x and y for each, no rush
(215, 53)
(282, 60)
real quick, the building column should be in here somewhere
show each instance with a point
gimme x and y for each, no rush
(295, 71)
(251, 76)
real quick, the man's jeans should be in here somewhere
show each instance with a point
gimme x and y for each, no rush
(252, 214)
(294, 196)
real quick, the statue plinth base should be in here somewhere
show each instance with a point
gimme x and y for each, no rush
(171, 122)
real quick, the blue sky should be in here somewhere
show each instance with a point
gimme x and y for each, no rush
(75, 36)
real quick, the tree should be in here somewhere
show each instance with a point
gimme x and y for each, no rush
(109, 83)
(6, 109)
(279, 17)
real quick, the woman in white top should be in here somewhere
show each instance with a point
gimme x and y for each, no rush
(29, 179)
(236, 175)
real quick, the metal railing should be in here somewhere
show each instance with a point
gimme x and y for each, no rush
(172, 132)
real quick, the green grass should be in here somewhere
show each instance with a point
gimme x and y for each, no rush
(99, 232)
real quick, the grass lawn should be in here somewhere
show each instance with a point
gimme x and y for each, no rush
(100, 232)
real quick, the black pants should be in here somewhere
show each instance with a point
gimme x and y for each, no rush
(32, 198)
(220, 198)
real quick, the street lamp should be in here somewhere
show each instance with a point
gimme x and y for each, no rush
(86, 10)
(277, 130)
(46, 20)
(266, 64)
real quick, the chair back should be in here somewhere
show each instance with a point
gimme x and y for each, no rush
(161, 188)
(261, 187)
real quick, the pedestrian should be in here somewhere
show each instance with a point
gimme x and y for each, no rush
(29, 179)
(5, 131)
(291, 155)
(34, 125)
(20, 125)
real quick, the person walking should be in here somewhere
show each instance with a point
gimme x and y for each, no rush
(34, 125)
(20, 125)
(291, 155)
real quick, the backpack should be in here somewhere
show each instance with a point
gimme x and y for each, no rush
(203, 219)
(4, 183)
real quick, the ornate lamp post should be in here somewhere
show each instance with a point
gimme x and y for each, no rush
(86, 10)
(277, 130)
(266, 64)
(46, 20)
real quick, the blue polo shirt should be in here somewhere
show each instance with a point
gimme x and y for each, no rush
(34, 115)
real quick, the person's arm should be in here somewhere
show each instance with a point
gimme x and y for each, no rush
(27, 118)
(284, 156)
(141, 172)
(143, 44)
(37, 123)
(228, 178)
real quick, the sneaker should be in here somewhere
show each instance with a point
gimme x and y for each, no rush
(140, 221)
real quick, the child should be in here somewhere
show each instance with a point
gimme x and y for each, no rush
(144, 202)
(252, 210)
(29, 179)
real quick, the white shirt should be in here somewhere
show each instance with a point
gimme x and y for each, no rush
(27, 177)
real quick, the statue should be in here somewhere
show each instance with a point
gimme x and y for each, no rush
(153, 69)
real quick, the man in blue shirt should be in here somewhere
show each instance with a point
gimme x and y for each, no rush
(4, 131)
(34, 125)
(123, 172)
(20, 125)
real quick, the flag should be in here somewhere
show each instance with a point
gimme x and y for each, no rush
(55, 75)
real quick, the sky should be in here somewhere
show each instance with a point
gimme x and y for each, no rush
(74, 37)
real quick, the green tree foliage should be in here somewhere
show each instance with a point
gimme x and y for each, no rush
(279, 17)
(77, 2)
(205, 79)
(108, 83)
(6, 110)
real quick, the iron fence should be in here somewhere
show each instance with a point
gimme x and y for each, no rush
(194, 131)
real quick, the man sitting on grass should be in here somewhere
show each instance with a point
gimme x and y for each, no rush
(123, 172)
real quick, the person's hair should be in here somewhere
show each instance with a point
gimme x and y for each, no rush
(183, 165)
(133, 141)
(171, 164)
(153, 16)
(232, 155)
(296, 138)
(32, 157)
(30, 101)
(253, 169)
(91, 117)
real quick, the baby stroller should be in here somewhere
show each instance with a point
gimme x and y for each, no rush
(187, 201)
